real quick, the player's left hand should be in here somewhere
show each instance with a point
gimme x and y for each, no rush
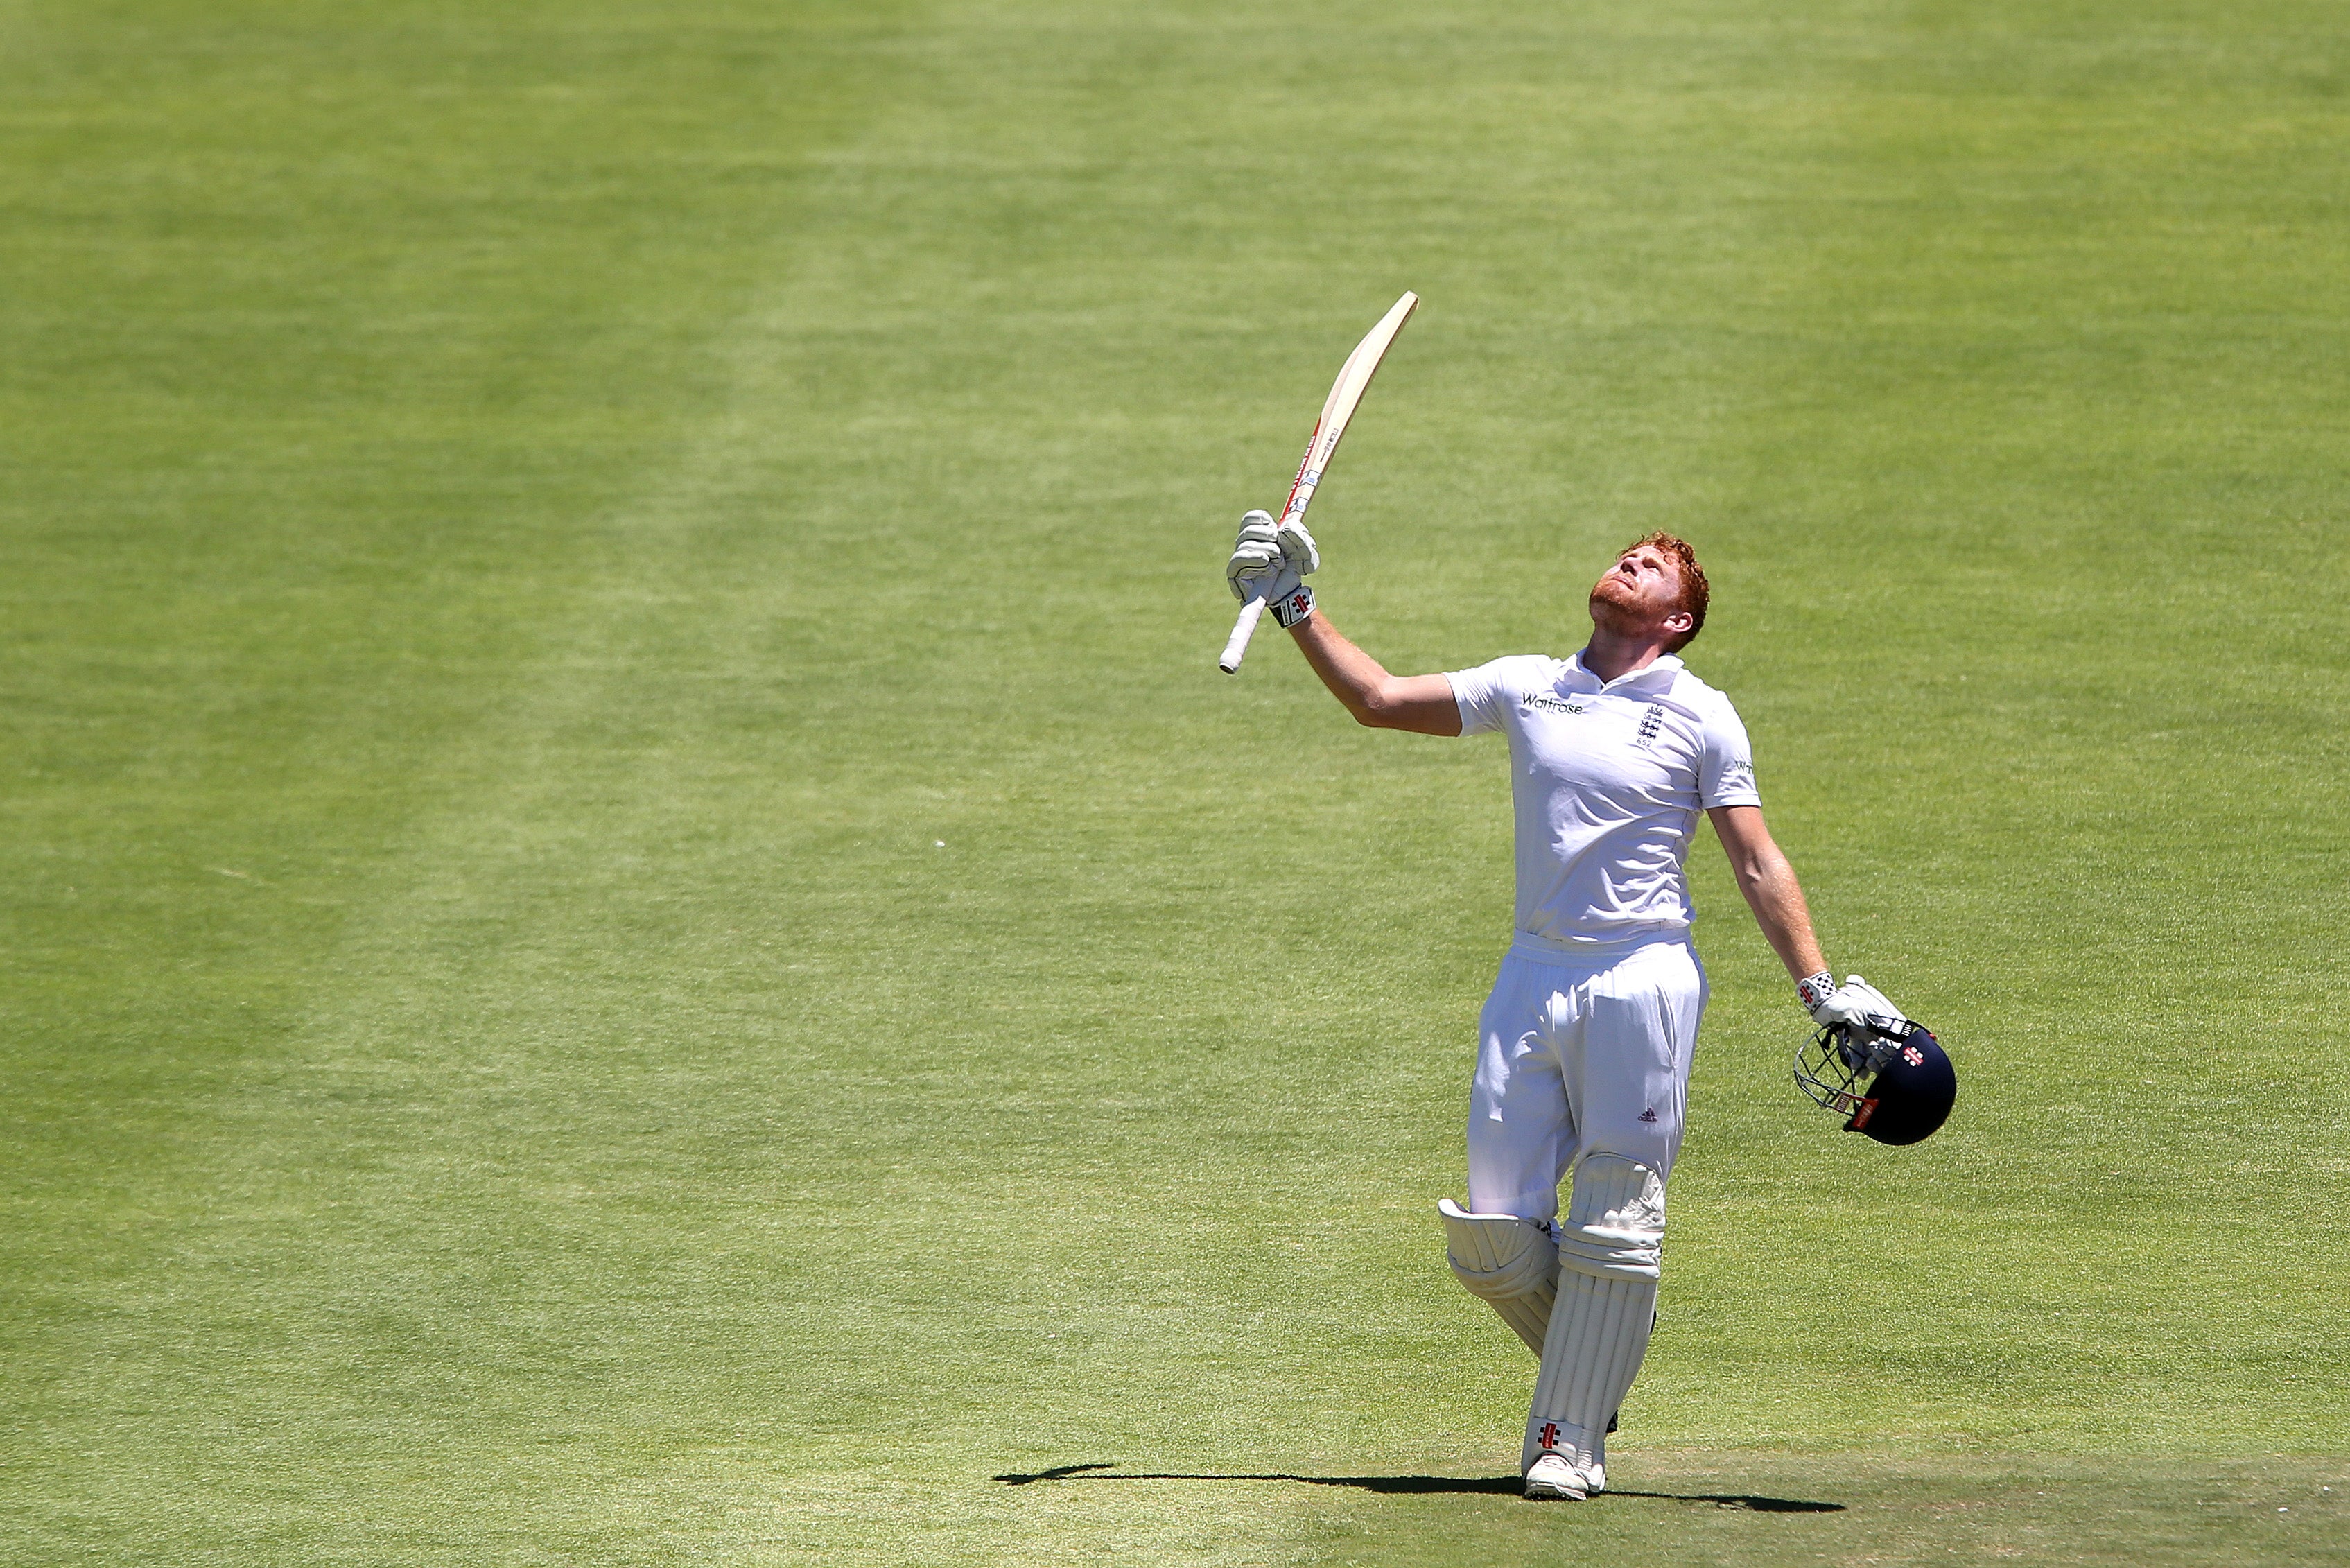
(1270, 561)
(1856, 1001)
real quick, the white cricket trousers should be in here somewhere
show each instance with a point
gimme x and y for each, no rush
(1580, 1056)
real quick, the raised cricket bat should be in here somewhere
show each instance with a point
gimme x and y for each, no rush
(1354, 379)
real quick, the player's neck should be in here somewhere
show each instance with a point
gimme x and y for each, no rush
(1611, 655)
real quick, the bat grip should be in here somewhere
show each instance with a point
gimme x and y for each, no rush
(1236, 646)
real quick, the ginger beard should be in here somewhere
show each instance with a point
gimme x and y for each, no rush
(1633, 598)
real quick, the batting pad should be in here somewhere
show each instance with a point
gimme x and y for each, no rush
(1615, 1225)
(1598, 1334)
(1608, 1249)
(1507, 1261)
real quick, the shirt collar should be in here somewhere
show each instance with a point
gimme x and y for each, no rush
(1666, 666)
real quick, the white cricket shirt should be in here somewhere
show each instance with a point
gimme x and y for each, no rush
(1607, 779)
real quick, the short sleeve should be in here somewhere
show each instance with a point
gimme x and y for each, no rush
(1484, 694)
(1726, 772)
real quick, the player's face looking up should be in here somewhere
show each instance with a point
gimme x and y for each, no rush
(1640, 595)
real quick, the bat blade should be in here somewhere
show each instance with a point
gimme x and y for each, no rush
(1346, 395)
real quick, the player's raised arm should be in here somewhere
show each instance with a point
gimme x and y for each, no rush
(1272, 560)
(1420, 703)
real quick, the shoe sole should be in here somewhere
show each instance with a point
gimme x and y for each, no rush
(1550, 1492)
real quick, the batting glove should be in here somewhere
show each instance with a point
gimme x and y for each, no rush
(1854, 1002)
(1270, 561)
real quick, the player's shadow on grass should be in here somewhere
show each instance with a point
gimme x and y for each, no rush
(1416, 1486)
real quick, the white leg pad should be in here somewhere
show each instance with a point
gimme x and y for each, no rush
(1608, 1251)
(1510, 1262)
(1598, 1333)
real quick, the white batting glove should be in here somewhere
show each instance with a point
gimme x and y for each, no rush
(1856, 1002)
(1271, 561)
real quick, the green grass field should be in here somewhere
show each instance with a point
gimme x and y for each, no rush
(635, 929)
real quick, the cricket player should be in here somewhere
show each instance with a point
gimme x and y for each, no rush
(1584, 1046)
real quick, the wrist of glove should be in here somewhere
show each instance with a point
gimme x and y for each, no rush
(1854, 1003)
(1816, 990)
(1295, 605)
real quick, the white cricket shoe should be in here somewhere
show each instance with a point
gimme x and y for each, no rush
(1553, 1479)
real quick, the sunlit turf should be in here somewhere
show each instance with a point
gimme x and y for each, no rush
(637, 928)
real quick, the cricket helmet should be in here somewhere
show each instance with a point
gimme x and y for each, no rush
(1887, 1076)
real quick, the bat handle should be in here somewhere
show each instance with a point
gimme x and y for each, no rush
(1236, 647)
